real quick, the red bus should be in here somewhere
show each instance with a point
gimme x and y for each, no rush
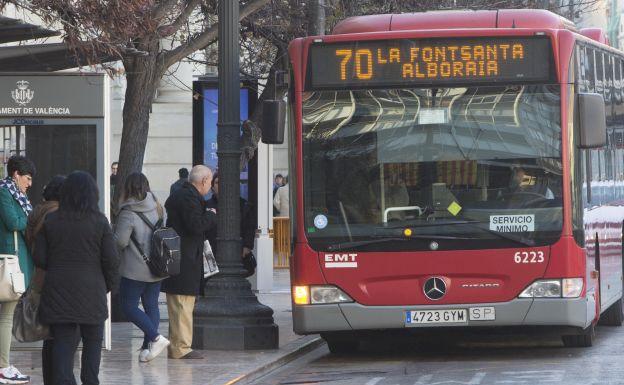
(456, 169)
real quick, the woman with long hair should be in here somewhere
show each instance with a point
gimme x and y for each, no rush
(15, 208)
(77, 250)
(139, 211)
(51, 198)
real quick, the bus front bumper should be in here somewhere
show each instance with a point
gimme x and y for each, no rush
(576, 312)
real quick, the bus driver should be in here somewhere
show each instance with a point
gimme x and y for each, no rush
(524, 183)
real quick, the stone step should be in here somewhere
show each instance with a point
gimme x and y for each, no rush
(171, 150)
(171, 130)
(184, 108)
(173, 96)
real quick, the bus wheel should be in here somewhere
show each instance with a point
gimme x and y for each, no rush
(613, 315)
(341, 344)
(583, 340)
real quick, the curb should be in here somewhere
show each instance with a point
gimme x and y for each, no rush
(286, 359)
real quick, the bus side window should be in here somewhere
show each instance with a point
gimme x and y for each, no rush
(608, 85)
(581, 68)
(617, 86)
(588, 174)
(599, 71)
(590, 73)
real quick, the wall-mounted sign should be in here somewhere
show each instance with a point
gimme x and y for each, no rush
(38, 95)
(205, 117)
(211, 109)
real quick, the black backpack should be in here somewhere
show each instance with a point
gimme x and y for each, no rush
(164, 258)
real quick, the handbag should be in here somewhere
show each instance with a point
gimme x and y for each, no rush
(210, 262)
(26, 324)
(12, 284)
(250, 263)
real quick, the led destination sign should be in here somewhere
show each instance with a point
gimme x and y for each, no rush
(430, 61)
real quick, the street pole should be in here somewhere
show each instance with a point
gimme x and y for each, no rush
(229, 316)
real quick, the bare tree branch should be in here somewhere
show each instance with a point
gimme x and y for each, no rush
(205, 38)
(180, 20)
(163, 8)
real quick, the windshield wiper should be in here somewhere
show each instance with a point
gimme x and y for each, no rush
(348, 245)
(431, 224)
(521, 240)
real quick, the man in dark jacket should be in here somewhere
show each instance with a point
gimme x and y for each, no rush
(183, 175)
(187, 214)
(248, 223)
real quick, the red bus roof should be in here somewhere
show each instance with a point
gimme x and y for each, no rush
(504, 18)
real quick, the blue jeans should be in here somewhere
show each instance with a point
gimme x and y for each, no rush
(129, 293)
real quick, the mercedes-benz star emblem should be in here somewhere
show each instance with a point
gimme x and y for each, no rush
(434, 288)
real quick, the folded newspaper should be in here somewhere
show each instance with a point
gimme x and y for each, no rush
(210, 263)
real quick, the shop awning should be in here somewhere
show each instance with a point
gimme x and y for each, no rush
(46, 57)
(12, 30)
(37, 57)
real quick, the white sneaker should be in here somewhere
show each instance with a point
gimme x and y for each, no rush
(10, 375)
(156, 347)
(143, 355)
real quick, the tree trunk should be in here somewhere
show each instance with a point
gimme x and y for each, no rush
(316, 17)
(143, 73)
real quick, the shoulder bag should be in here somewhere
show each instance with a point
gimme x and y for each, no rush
(250, 263)
(12, 284)
(26, 324)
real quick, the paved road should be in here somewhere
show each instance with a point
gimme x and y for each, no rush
(500, 360)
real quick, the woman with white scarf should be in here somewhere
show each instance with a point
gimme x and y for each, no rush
(14, 210)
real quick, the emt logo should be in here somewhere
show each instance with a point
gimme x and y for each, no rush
(339, 260)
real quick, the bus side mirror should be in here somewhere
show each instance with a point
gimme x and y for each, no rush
(592, 120)
(273, 121)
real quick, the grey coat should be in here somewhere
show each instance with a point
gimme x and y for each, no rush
(128, 222)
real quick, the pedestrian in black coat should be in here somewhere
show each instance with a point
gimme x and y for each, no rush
(247, 227)
(77, 250)
(187, 214)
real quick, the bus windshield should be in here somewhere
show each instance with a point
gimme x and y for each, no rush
(432, 168)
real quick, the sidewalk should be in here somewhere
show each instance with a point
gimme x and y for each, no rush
(121, 365)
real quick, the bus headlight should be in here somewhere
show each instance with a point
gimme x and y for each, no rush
(301, 295)
(327, 294)
(572, 287)
(554, 288)
(550, 288)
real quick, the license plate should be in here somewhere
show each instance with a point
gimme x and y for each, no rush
(421, 317)
(483, 313)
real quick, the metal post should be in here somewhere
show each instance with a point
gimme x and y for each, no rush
(229, 316)
(263, 279)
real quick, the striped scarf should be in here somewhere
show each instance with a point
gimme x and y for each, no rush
(21, 198)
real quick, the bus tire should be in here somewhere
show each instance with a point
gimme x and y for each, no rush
(583, 340)
(613, 316)
(341, 344)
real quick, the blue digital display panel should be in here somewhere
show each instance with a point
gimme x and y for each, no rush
(211, 112)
